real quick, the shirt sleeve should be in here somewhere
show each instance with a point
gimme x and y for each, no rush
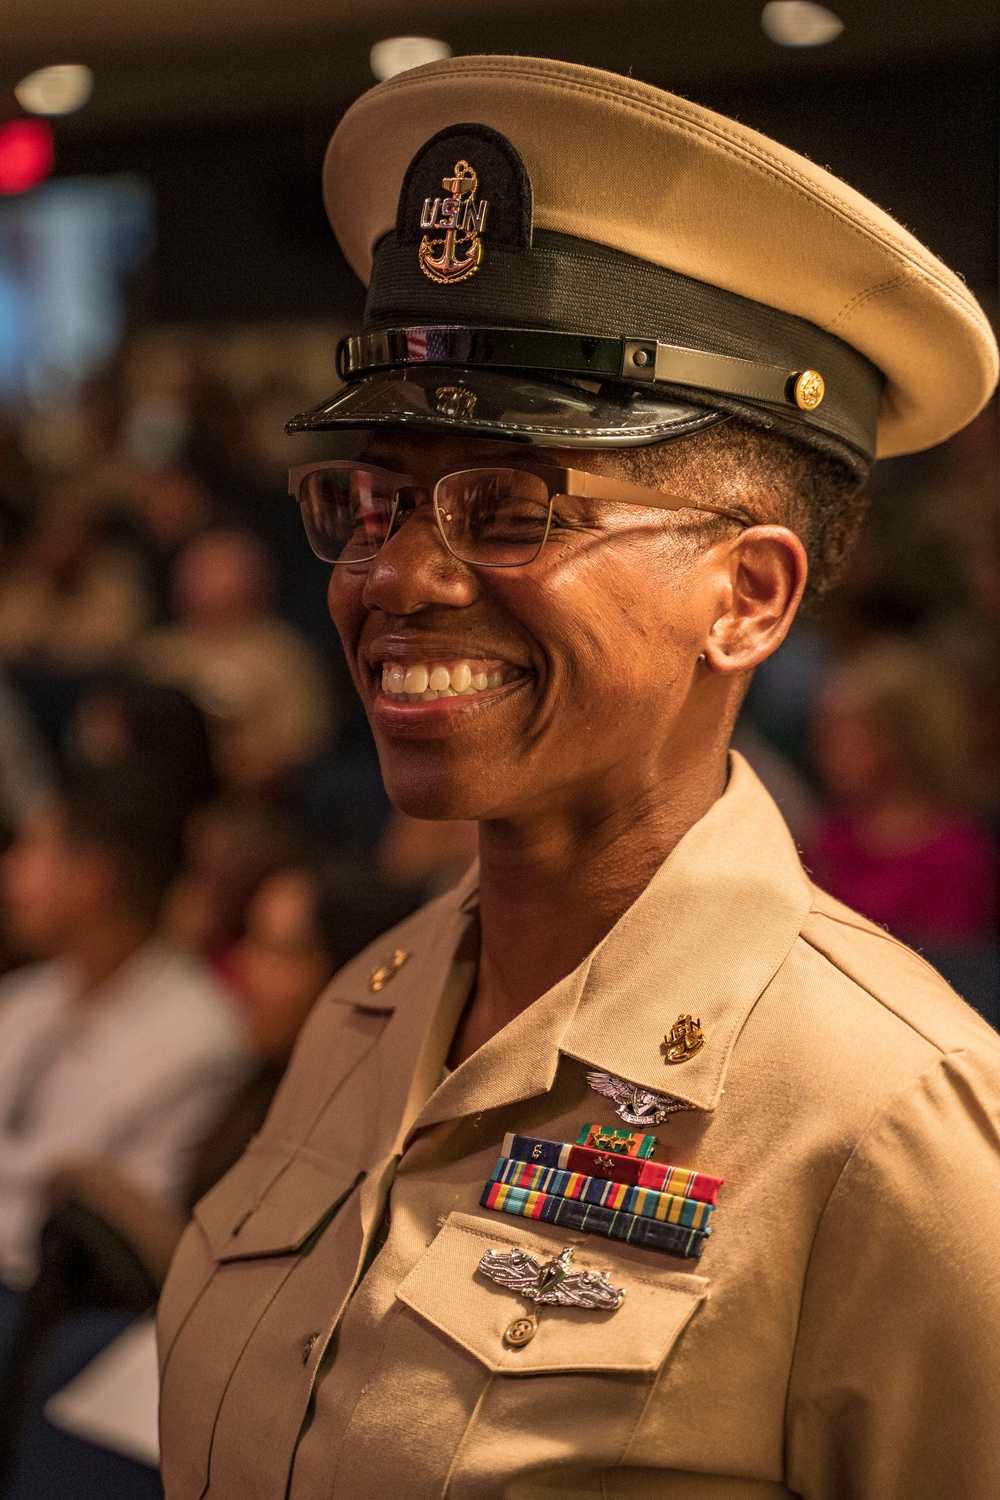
(895, 1385)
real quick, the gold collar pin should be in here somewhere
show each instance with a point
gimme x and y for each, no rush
(684, 1039)
(379, 978)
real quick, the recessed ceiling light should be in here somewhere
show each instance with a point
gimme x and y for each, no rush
(58, 90)
(800, 23)
(398, 53)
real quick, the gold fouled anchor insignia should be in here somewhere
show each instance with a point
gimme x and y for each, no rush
(684, 1039)
(379, 978)
(456, 250)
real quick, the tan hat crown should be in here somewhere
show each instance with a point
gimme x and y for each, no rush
(636, 172)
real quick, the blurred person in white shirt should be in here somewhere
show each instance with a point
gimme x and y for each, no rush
(115, 1046)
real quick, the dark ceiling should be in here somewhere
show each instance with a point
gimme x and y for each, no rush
(224, 107)
(188, 58)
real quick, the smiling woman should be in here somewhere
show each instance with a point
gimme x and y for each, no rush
(621, 1168)
(611, 609)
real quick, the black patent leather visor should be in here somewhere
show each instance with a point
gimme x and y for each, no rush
(483, 402)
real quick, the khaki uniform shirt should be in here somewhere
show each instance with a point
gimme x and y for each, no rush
(839, 1337)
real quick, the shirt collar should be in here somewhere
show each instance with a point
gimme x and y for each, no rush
(703, 939)
(427, 942)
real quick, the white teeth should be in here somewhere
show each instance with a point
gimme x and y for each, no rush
(423, 683)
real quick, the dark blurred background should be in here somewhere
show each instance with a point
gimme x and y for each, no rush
(169, 680)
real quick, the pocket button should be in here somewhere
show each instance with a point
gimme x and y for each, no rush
(521, 1331)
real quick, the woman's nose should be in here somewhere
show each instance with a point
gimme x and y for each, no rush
(414, 570)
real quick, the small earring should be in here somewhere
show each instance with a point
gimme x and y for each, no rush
(701, 657)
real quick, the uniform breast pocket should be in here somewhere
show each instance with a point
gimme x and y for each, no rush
(571, 1395)
(447, 1289)
(251, 1286)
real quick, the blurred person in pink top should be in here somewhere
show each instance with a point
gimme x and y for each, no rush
(891, 745)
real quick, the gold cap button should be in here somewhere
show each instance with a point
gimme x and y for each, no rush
(520, 1332)
(808, 390)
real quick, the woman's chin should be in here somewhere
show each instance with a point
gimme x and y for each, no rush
(432, 799)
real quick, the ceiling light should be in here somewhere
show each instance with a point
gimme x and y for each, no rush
(398, 53)
(55, 91)
(800, 23)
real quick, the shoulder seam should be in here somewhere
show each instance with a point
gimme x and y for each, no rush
(853, 979)
(872, 929)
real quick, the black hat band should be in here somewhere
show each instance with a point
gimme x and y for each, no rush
(633, 360)
(699, 341)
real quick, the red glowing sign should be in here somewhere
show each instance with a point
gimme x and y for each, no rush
(26, 155)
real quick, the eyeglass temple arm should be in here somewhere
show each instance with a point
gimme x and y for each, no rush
(603, 487)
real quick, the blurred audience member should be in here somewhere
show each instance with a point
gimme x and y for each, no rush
(304, 922)
(258, 680)
(116, 1046)
(26, 775)
(426, 856)
(159, 732)
(174, 505)
(230, 846)
(70, 600)
(890, 744)
(25, 768)
(171, 506)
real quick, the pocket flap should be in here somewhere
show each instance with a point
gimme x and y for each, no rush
(272, 1201)
(447, 1289)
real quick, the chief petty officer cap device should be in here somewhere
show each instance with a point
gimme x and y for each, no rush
(567, 257)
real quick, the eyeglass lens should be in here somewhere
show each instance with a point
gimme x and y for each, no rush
(490, 517)
(347, 512)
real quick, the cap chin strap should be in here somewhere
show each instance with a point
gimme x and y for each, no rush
(636, 360)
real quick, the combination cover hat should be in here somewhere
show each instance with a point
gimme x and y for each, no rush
(569, 257)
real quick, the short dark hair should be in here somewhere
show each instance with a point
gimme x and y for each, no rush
(776, 480)
(123, 814)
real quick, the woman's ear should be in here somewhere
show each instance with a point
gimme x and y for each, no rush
(762, 573)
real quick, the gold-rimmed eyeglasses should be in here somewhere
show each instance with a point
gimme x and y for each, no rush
(489, 517)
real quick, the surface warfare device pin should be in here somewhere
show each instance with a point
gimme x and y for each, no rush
(549, 1282)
